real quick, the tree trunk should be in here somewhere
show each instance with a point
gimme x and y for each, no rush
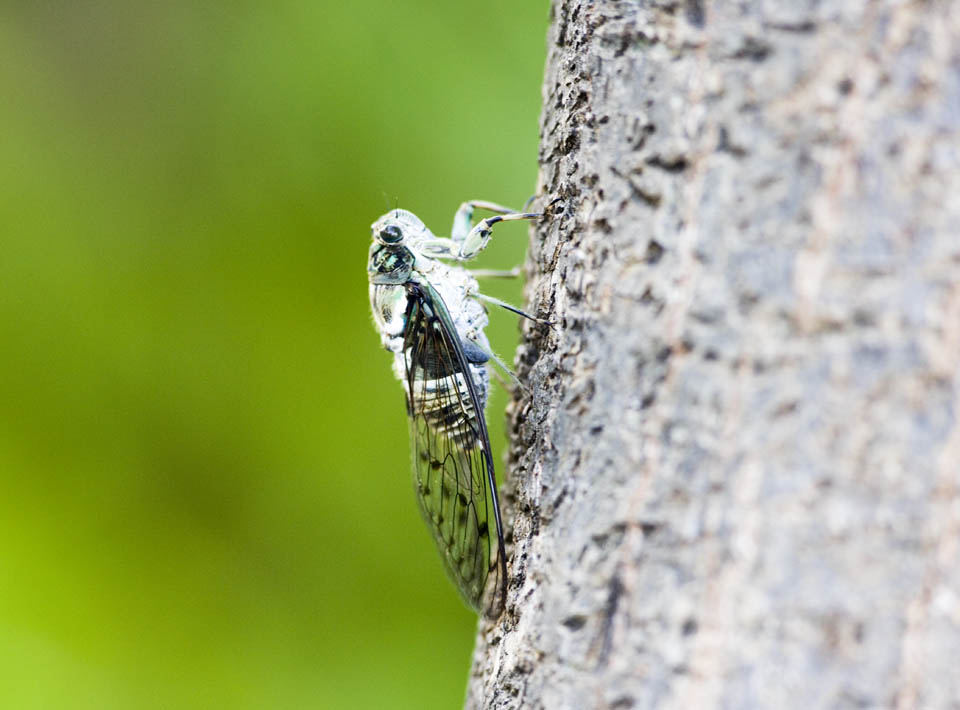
(734, 482)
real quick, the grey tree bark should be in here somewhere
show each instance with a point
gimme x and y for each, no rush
(735, 480)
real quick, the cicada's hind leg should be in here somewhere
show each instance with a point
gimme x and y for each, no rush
(513, 309)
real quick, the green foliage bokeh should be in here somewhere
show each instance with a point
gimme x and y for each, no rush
(205, 498)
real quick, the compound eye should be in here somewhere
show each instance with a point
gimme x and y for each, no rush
(391, 234)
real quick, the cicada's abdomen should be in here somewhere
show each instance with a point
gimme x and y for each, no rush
(451, 449)
(444, 401)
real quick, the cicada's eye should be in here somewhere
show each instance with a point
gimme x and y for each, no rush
(391, 234)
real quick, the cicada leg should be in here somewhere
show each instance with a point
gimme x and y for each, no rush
(513, 309)
(464, 216)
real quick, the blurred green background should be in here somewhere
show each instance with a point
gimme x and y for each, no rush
(205, 498)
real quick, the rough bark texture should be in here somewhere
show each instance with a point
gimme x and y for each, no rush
(735, 483)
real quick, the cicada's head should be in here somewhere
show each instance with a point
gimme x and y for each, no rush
(397, 227)
(391, 259)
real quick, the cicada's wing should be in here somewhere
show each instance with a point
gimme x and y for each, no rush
(452, 466)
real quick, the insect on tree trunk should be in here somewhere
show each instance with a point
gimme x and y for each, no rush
(734, 482)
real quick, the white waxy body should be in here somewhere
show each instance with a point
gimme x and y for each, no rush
(440, 358)
(454, 284)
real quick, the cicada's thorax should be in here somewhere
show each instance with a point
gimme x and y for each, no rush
(455, 286)
(440, 391)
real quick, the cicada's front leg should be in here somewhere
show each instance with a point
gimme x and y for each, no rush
(467, 243)
(477, 238)
(464, 216)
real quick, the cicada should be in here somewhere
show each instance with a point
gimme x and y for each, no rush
(431, 316)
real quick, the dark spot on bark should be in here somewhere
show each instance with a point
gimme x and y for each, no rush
(689, 627)
(624, 702)
(845, 86)
(575, 622)
(614, 594)
(603, 225)
(654, 252)
(746, 302)
(672, 164)
(649, 528)
(648, 399)
(558, 501)
(725, 146)
(693, 9)
(754, 49)
(801, 26)
(864, 318)
(645, 191)
(785, 409)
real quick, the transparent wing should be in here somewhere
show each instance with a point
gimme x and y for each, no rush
(452, 467)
